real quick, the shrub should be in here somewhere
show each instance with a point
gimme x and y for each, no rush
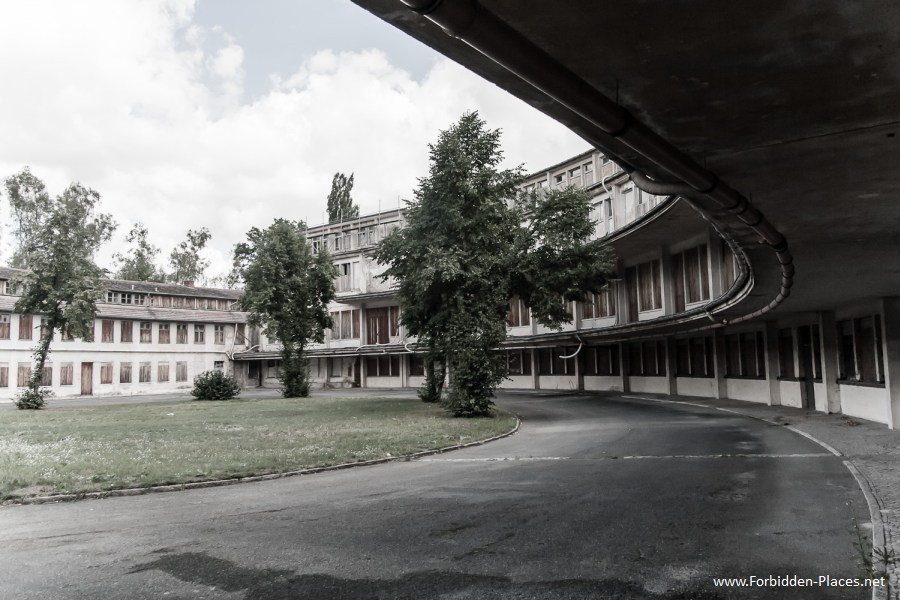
(29, 399)
(215, 385)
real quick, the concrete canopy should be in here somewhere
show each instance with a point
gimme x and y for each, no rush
(794, 104)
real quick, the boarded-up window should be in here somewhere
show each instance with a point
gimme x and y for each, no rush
(106, 372)
(146, 332)
(23, 374)
(598, 305)
(4, 325)
(745, 355)
(199, 334)
(162, 372)
(181, 371)
(649, 286)
(25, 326)
(518, 314)
(47, 375)
(416, 364)
(164, 333)
(219, 334)
(786, 353)
(4, 376)
(382, 323)
(694, 357)
(519, 362)
(127, 331)
(599, 360)
(181, 333)
(107, 333)
(125, 372)
(345, 325)
(66, 371)
(241, 333)
(144, 373)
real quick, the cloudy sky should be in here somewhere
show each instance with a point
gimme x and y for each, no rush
(229, 113)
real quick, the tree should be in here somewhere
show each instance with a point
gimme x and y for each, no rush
(185, 260)
(340, 204)
(469, 246)
(287, 290)
(29, 203)
(62, 281)
(138, 263)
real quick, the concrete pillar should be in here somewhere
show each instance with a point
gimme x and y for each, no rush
(771, 340)
(579, 369)
(535, 377)
(719, 355)
(890, 340)
(624, 367)
(831, 403)
(671, 366)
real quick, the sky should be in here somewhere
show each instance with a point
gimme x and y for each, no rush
(227, 114)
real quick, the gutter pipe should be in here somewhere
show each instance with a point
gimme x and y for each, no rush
(607, 124)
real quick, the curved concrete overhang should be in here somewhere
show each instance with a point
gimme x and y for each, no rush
(795, 104)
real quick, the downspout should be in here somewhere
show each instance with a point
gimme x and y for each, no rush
(608, 123)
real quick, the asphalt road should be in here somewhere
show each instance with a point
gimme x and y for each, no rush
(594, 498)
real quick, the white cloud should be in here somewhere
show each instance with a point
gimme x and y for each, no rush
(120, 96)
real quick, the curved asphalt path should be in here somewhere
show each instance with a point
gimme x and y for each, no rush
(595, 497)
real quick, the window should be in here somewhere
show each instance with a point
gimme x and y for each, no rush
(45, 327)
(162, 372)
(416, 365)
(241, 333)
(163, 335)
(345, 281)
(125, 372)
(694, 357)
(383, 365)
(219, 334)
(23, 375)
(181, 333)
(861, 351)
(647, 359)
(144, 372)
(316, 246)
(4, 325)
(127, 332)
(690, 274)
(588, 169)
(559, 180)
(647, 286)
(518, 315)
(146, 332)
(112, 297)
(199, 334)
(219, 365)
(4, 375)
(272, 369)
(25, 326)
(89, 333)
(745, 355)
(106, 372)
(518, 362)
(6, 288)
(599, 360)
(597, 305)
(181, 373)
(47, 375)
(66, 373)
(345, 325)
(106, 330)
(786, 354)
(550, 361)
(605, 160)
(382, 324)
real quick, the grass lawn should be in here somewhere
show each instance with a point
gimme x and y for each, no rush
(99, 448)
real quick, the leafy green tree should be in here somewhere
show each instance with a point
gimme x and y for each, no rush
(287, 290)
(138, 263)
(185, 259)
(29, 203)
(340, 204)
(469, 246)
(62, 282)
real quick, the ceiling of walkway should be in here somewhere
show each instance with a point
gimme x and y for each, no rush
(794, 104)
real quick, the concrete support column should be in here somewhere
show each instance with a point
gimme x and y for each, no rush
(535, 377)
(671, 366)
(719, 355)
(579, 370)
(890, 340)
(362, 371)
(404, 369)
(771, 340)
(624, 366)
(830, 364)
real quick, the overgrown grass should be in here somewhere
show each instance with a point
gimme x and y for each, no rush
(99, 448)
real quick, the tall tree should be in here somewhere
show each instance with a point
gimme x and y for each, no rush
(138, 263)
(287, 290)
(29, 203)
(185, 259)
(62, 282)
(468, 248)
(340, 204)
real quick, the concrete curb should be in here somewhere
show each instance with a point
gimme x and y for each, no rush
(235, 480)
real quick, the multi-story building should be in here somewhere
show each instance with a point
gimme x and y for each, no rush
(147, 338)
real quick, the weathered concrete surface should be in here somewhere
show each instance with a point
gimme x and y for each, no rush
(564, 509)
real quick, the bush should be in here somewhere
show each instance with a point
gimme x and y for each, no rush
(215, 385)
(29, 399)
